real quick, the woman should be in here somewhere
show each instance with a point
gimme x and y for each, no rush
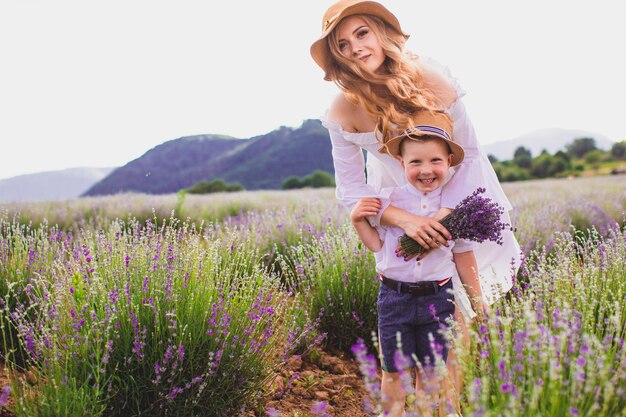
(362, 50)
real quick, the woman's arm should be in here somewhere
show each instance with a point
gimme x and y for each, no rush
(467, 268)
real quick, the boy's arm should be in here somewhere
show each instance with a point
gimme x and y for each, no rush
(467, 268)
(368, 235)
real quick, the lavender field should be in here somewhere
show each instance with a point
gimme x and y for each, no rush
(187, 305)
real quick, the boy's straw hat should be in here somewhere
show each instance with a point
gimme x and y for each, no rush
(428, 123)
(341, 10)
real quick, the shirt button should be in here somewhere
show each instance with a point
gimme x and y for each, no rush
(425, 193)
(424, 206)
(419, 264)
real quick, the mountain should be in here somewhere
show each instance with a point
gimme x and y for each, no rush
(551, 140)
(260, 162)
(51, 185)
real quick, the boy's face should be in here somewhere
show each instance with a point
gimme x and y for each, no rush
(425, 163)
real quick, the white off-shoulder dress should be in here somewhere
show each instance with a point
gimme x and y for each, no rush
(358, 176)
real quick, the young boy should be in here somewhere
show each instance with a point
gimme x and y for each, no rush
(415, 297)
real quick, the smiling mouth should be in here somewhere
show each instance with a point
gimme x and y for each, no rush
(365, 58)
(427, 181)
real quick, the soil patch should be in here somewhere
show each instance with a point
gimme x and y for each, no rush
(5, 381)
(330, 377)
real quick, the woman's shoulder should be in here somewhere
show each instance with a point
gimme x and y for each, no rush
(351, 117)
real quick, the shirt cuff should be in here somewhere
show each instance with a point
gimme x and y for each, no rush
(385, 199)
(463, 245)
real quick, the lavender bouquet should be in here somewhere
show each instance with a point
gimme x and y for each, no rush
(476, 218)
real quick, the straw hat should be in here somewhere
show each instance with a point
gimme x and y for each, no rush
(428, 123)
(340, 10)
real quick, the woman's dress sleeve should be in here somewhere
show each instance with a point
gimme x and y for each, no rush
(349, 164)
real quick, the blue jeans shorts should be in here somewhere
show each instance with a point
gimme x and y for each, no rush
(412, 317)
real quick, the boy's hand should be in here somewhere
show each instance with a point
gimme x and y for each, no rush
(365, 207)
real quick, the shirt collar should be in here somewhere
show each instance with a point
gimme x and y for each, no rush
(414, 191)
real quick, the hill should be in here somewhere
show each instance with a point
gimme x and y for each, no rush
(261, 162)
(551, 140)
(50, 185)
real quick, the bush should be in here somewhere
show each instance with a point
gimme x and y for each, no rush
(541, 166)
(318, 179)
(215, 186)
(292, 183)
(618, 150)
(511, 173)
(336, 275)
(594, 157)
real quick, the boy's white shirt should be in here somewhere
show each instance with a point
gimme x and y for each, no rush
(438, 264)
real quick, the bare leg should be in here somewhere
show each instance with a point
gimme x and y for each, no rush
(454, 384)
(393, 393)
(427, 387)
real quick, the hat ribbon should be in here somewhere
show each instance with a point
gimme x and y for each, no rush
(426, 128)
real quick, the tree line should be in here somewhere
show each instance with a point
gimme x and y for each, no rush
(578, 156)
(317, 179)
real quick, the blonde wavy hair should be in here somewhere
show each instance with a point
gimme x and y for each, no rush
(392, 94)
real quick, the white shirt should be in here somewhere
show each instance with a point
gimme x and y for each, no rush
(438, 264)
(497, 264)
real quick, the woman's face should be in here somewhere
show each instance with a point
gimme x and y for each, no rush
(358, 42)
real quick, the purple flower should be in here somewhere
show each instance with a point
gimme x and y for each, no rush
(4, 395)
(507, 387)
(272, 412)
(476, 218)
(357, 318)
(173, 393)
(319, 407)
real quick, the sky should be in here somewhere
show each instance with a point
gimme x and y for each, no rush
(87, 83)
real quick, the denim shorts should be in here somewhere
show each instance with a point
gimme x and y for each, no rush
(414, 317)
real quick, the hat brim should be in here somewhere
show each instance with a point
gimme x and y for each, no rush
(392, 146)
(319, 49)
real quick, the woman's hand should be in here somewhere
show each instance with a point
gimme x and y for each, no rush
(429, 233)
(482, 310)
